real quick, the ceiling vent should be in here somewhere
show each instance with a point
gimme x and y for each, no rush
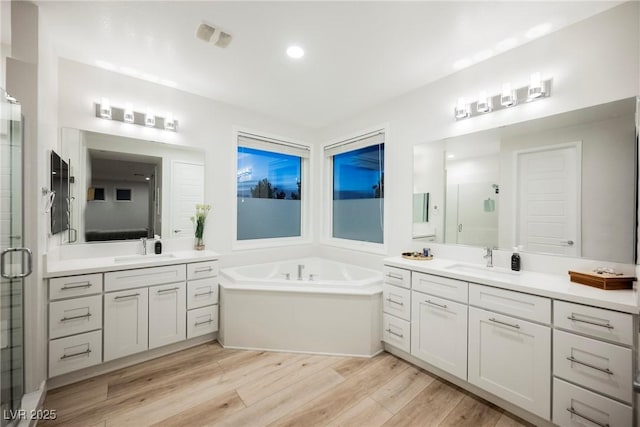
(213, 35)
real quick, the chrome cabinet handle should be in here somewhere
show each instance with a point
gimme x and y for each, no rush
(394, 276)
(567, 242)
(162, 291)
(602, 325)
(201, 294)
(200, 270)
(67, 356)
(126, 296)
(579, 362)
(436, 304)
(75, 235)
(83, 285)
(504, 323)
(203, 323)
(177, 231)
(4, 274)
(395, 302)
(66, 319)
(591, 420)
(393, 333)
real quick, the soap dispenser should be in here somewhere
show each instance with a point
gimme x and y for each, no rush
(157, 246)
(515, 259)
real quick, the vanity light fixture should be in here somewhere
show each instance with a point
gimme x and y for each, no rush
(129, 115)
(462, 109)
(538, 88)
(484, 104)
(150, 119)
(105, 108)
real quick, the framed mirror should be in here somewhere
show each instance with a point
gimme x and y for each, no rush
(562, 185)
(126, 188)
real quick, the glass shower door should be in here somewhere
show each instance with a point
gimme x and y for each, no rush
(15, 261)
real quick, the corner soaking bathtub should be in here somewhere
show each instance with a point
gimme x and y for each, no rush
(334, 308)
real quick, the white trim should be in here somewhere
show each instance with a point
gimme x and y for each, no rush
(306, 191)
(326, 228)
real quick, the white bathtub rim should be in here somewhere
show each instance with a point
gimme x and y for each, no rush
(313, 353)
(368, 290)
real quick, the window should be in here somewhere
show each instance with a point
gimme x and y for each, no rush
(357, 176)
(270, 188)
(95, 194)
(123, 194)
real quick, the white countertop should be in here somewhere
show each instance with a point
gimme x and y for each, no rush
(76, 266)
(548, 285)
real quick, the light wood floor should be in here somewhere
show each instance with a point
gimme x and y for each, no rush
(208, 385)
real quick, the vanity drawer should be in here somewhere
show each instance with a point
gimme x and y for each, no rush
(596, 322)
(200, 270)
(202, 321)
(397, 276)
(202, 292)
(73, 353)
(444, 287)
(574, 406)
(593, 364)
(396, 332)
(525, 306)
(75, 316)
(75, 286)
(141, 277)
(396, 301)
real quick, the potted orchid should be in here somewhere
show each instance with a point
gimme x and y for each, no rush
(198, 223)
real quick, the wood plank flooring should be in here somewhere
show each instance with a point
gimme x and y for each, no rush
(208, 385)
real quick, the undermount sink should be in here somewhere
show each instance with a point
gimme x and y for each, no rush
(139, 258)
(479, 269)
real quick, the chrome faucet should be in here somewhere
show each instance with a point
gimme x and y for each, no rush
(300, 268)
(488, 256)
(144, 245)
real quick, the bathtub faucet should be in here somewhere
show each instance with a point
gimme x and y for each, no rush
(300, 268)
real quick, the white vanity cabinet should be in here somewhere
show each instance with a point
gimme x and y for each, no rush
(396, 307)
(126, 323)
(438, 323)
(167, 311)
(202, 298)
(592, 366)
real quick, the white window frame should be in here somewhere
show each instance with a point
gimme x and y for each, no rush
(327, 195)
(306, 191)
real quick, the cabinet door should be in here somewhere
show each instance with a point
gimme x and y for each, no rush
(167, 314)
(125, 323)
(439, 333)
(511, 358)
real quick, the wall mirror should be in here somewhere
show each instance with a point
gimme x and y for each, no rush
(121, 187)
(562, 185)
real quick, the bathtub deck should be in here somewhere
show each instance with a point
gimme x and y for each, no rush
(208, 385)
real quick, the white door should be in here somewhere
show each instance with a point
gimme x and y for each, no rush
(439, 333)
(126, 323)
(511, 358)
(548, 200)
(167, 314)
(187, 190)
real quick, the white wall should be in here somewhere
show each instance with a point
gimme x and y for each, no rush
(203, 124)
(111, 214)
(586, 71)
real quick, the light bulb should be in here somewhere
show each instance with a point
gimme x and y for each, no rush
(128, 117)
(105, 108)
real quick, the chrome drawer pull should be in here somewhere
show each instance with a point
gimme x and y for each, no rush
(201, 294)
(126, 296)
(393, 333)
(203, 323)
(200, 270)
(602, 325)
(84, 285)
(395, 302)
(436, 304)
(504, 323)
(605, 370)
(86, 352)
(65, 319)
(162, 291)
(591, 420)
(394, 276)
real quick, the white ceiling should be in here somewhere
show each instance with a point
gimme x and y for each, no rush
(358, 54)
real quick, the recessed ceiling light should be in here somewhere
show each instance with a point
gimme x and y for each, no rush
(482, 55)
(461, 63)
(506, 44)
(450, 156)
(295, 52)
(538, 30)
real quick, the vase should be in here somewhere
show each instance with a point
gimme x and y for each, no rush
(199, 244)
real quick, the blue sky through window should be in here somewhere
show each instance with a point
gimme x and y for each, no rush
(283, 171)
(357, 172)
